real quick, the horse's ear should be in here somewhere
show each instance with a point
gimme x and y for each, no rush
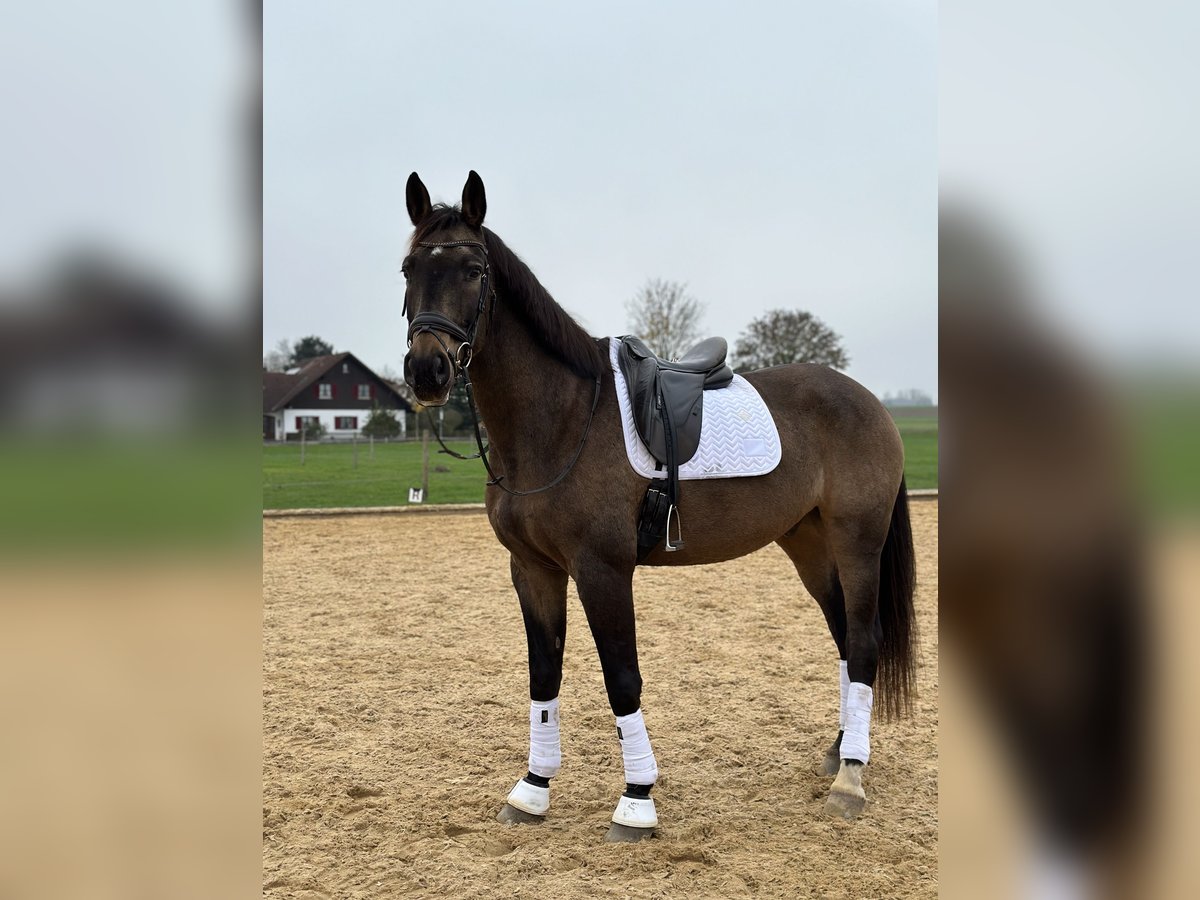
(418, 199)
(474, 202)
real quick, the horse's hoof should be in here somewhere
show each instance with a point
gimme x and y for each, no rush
(624, 834)
(844, 805)
(510, 815)
(831, 763)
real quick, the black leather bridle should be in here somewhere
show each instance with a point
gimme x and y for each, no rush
(431, 323)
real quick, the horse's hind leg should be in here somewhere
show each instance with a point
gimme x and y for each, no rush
(857, 557)
(543, 596)
(805, 546)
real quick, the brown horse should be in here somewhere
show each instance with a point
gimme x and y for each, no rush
(567, 501)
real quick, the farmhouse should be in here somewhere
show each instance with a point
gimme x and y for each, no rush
(95, 346)
(337, 390)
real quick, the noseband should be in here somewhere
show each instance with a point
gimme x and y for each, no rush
(432, 322)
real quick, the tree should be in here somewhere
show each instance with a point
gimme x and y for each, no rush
(396, 380)
(382, 423)
(785, 336)
(309, 348)
(279, 359)
(313, 429)
(664, 316)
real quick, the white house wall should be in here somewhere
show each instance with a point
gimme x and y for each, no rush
(285, 422)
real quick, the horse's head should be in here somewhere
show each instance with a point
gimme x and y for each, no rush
(447, 288)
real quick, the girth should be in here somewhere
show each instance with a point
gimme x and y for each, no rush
(667, 398)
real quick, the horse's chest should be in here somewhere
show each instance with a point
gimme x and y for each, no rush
(518, 526)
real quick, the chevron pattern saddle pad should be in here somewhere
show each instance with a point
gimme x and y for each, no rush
(738, 437)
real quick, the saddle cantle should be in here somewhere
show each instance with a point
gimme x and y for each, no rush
(667, 397)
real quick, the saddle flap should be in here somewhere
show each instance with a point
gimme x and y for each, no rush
(683, 397)
(671, 395)
(640, 369)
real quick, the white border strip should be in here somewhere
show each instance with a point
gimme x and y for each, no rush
(448, 508)
(416, 508)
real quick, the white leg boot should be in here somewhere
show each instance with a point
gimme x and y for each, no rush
(833, 759)
(846, 795)
(545, 761)
(635, 816)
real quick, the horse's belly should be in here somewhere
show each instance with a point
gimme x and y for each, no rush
(726, 518)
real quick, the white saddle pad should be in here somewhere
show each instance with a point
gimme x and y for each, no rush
(737, 437)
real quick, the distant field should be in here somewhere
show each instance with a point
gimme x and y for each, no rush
(919, 431)
(329, 477)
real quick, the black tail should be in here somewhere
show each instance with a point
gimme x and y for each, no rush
(897, 581)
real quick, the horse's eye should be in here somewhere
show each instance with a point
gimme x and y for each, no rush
(475, 271)
(404, 272)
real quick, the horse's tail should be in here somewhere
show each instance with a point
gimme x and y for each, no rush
(897, 581)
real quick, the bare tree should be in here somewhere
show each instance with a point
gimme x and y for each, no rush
(396, 380)
(664, 316)
(279, 359)
(783, 336)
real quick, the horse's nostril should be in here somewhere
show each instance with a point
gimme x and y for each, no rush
(408, 370)
(442, 373)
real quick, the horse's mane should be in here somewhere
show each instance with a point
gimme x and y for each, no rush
(519, 290)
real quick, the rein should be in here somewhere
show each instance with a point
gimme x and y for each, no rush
(437, 437)
(431, 323)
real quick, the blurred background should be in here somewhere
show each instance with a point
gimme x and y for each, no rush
(1069, 345)
(130, 289)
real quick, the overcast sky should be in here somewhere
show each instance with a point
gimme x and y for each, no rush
(124, 133)
(769, 155)
(1083, 156)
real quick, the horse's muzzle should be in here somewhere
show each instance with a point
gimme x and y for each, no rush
(429, 374)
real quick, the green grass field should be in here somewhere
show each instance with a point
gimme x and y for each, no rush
(920, 436)
(102, 493)
(329, 477)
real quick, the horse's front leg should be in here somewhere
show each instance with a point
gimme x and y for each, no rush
(606, 592)
(543, 596)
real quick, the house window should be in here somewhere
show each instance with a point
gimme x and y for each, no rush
(324, 391)
(345, 423)
(301, 421)
(345, 368)
(364, 392)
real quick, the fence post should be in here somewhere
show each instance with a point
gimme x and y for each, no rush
(303, 430)
(425, 465)
(371, 454)
(355, 438)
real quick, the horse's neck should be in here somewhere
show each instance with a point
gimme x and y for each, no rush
(534, 406)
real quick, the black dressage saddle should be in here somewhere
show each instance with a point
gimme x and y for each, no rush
(667, 397)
